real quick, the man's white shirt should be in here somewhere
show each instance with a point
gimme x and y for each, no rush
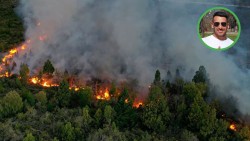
(216, 43)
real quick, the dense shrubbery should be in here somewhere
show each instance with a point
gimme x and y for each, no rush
(173, 110)
(11, 31)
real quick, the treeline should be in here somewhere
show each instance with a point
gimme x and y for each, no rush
(173, 110)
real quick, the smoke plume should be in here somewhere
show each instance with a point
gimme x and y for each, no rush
(128, 39)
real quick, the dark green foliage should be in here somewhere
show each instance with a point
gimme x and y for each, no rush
(169, 76)
(48, 68)
(81, 98)
(63, 94)
(112, 90)
(201, 75)
(125, 113)
(24, 73)
(157, 79)
(188, 136)
(173, 110)
(11, 31)
(28, 97)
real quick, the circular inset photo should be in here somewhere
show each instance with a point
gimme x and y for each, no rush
(219, 28)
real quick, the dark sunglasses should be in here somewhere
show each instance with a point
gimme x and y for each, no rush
(216, 24)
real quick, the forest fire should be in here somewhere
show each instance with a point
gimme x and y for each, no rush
(48, 82)
(43, 82)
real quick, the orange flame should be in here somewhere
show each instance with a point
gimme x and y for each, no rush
(103, 96)
(137, 104)
(74, 88)
(233, 127)
(13, 51)
(6, 74)
(34, 80)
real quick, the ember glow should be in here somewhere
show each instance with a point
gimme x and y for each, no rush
(34, 80)
(137, 104)
(43, 82)
(126, 101)
(6, 74)
(103, 96)
(75, 88)
(233, 127)
(8, 59)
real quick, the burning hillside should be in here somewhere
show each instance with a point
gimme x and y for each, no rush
(101, 90)
(121, 40)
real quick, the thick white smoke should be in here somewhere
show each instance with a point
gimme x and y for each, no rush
(127, 39)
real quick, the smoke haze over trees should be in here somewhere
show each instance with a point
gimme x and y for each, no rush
(193, 94)
(129, 39)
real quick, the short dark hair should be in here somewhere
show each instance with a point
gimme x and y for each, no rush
(220, 14)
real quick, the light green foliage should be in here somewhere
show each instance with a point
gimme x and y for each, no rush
(29, 137)
(86, 117)
(154, 94)
(67, 132)
(108, 133)
(190, 92)
(55, 139)
(108, 114)
(98, 116)
(202, 118)
(11, 103)
(41, 97)
(244, 134)
(156, 113)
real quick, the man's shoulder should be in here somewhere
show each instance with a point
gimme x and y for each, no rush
(208, 38)
(229, 40)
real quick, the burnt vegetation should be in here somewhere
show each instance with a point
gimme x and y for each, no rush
(174, 109)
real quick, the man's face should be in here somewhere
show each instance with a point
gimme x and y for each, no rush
(220, 29)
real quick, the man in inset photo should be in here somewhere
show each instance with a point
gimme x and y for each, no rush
(219, 25)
